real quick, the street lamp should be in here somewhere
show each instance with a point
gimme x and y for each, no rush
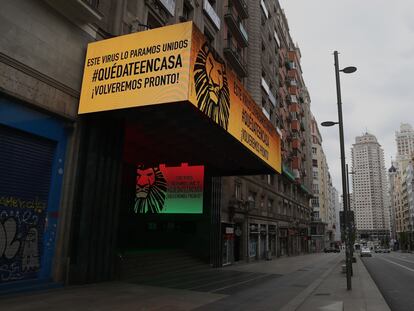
(343, 168)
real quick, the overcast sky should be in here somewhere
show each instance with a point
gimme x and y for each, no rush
(377, 36)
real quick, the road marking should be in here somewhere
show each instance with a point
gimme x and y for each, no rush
(397, 264)
(398, 258)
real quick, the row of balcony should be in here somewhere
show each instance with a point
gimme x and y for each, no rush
(236, 27)
(233, 56)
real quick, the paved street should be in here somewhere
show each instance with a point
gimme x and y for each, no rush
(394, 275)
(266, 285)
(311, 282)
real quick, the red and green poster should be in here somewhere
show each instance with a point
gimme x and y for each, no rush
(169, 190)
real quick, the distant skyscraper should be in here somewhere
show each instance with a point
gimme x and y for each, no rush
(405, 141)
(370, 188)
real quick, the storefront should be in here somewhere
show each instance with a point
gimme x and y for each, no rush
(155, 102)
(228, 244)
(32, 157)
(253, 241)
(272, 230)
(283, 242)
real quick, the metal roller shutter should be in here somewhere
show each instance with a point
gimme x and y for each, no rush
(25, 174)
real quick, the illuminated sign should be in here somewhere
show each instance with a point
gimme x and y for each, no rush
(169, 190)
(175, 64)
(143, 68)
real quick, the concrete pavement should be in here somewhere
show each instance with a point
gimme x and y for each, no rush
(299, 283)
(330, 294)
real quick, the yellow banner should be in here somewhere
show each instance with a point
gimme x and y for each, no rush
(216, 91)
(171, 64)
(143, 68)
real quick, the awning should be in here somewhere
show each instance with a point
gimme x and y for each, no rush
(179, 101)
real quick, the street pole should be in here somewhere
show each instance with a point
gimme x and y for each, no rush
(343, 169)
(350, 231)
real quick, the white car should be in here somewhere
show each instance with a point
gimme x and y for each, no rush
(366, 252)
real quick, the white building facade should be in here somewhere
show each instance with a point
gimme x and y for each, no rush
(405, 141)
(370, 189)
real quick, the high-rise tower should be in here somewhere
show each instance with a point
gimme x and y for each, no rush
(405, 141)
(369, 189)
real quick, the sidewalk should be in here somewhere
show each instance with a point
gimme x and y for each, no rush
(329, 292)
(325, 290)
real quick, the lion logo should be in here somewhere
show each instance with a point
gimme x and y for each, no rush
(211, 86)
(150, 190)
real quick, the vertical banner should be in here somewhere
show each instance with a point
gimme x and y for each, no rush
(217, 92)
(169, 190)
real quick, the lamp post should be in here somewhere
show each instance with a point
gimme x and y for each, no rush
(343, 168)
(350, 220)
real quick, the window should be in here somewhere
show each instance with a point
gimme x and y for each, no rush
(270, 179)
(238, 190)
(270, 204)
(153, 22)
(252, 199)
(187, 12)
(314, 150)
(209, 36)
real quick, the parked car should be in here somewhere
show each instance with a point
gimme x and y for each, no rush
(331, 250)
(366, 252)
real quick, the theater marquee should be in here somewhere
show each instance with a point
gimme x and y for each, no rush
(175, 64)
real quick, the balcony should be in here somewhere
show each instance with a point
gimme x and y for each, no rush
(295, 126)
(291, 65)
(296, 144)
(83, 10)
(293, 90)
(293, 74)
(233, 56)
(294, 108)
(236, 27)
(211, 13)
(241, 7)
(292, 99)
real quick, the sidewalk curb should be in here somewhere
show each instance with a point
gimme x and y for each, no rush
(381, 304)
(296, 302)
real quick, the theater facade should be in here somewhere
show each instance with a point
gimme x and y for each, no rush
(165, 118)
